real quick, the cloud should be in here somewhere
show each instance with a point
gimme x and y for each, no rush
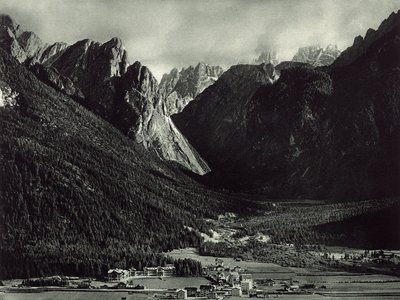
(165, 34)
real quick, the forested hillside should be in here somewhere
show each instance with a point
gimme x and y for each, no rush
(76, 196)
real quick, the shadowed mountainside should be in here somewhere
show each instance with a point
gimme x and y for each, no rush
(311, 133)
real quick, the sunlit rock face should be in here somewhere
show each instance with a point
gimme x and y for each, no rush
(141, 115)
(178, 88)
(317, 56)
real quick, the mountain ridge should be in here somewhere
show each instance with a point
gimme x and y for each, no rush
(94, 74)
(293, 130)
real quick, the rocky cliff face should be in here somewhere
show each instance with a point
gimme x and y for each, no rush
(310, 133)
(99, 77)
(53, 78)
(178, 88)
(127, 97)
(317, 56)
(140, 113)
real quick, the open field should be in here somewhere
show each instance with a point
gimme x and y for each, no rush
(342, 277)
(149, 283)
(249, 266)
(171, 282)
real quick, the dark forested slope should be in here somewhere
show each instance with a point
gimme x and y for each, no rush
(77, 196)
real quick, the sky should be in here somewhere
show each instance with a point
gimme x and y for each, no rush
(163, 34)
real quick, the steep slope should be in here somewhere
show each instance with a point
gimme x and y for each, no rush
(127, 97)
(310, 133)
(178, 88)
(140, 113)
(77, 196)
(317, 56)
(93, 74)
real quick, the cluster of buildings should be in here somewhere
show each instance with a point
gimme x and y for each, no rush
(205, 291)
(118, 275)
(233, 277)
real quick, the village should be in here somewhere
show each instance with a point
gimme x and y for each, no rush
(224, 282)
(229, 278)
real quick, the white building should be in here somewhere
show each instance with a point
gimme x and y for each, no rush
(150, 271)
(117, 275)
(167, 271)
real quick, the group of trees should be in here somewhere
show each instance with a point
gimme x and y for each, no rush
(364, 224)
(188, 267)
(51, 281)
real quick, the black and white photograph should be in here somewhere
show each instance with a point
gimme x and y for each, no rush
(199, 149)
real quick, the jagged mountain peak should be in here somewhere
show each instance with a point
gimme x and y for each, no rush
(316, 55)
(178, 88)
(140, 77)
(25, 46)
(116, 42)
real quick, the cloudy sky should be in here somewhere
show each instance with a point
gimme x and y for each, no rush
(163, 34)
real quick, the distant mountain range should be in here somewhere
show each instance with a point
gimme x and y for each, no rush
(326, 132)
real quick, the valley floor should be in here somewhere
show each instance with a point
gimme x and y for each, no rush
(277, 245)
(326, 284)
